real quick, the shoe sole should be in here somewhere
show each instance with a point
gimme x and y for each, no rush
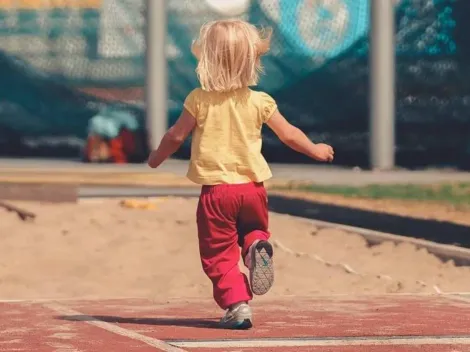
(262, 273)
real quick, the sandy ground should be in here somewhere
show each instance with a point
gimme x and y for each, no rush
(102, 249)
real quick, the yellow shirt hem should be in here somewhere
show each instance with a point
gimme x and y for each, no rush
(226, 179)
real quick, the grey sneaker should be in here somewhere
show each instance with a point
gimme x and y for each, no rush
(260, 263)
(239, 317)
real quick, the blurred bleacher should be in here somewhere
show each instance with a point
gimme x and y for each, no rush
(61, 61)
(77, 40)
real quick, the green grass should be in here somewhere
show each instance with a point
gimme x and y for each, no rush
(449, 193)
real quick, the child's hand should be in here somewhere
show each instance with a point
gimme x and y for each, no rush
(324, 152)
(294, 138)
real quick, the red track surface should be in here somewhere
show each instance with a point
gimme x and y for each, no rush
(400, 323)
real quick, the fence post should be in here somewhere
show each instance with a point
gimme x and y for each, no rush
(156, 88)
(382, 85)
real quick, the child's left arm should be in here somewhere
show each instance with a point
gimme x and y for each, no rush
(173, 139)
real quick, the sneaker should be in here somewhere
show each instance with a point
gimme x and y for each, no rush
(260, 263)
(239, 317)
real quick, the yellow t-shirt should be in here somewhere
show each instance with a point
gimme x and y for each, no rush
(226, 142)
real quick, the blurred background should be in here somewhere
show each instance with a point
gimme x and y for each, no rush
(73, 76)
(386, 82)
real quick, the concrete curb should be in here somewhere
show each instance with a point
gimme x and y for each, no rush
(85, 192)
(461, 256)
(96, 178)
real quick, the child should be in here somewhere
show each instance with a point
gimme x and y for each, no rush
(226, 118)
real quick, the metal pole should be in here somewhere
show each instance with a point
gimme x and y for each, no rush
(156, 78)
(382, 85)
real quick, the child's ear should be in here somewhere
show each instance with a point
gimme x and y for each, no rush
(196, 49)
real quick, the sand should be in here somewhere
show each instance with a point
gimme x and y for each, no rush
(99, 248)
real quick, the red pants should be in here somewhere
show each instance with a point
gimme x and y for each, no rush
(230, 217)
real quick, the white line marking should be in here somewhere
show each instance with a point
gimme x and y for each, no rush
(438, 249)
(173, 346)
(372, 341)
(459, 297)
(161, 345)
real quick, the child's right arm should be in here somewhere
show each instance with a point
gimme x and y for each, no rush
(294, 138)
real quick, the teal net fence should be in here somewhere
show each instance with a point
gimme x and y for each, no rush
(81, 65)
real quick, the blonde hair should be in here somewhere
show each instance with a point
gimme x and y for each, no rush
(229, 53)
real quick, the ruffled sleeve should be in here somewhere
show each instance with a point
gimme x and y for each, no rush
(268, 107)
(191, 102)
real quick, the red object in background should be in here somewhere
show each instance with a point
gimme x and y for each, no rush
(119, 150)
(128, 141)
